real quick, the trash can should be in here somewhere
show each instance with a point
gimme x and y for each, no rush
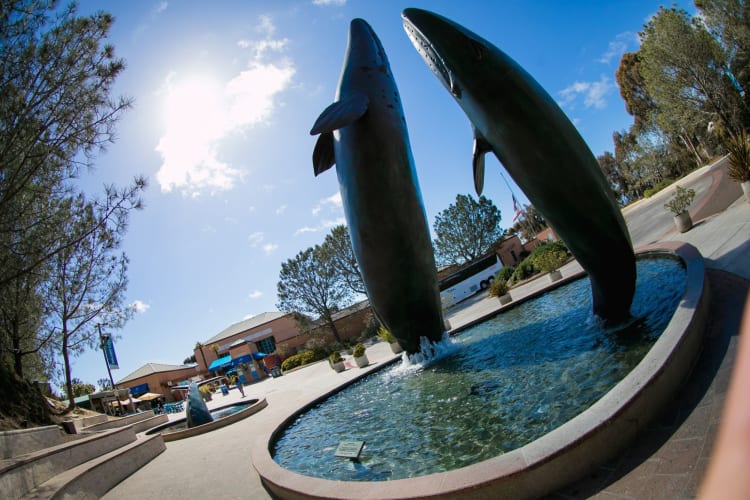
(224, 390)
(275, 372)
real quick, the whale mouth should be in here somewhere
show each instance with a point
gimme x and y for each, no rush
(432, 58)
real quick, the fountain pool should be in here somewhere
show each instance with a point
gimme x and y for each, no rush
(222, 416)
(507, 382)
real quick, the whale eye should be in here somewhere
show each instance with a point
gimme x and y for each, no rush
(477, 48)
(455, 89)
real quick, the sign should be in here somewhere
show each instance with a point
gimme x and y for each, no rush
(349, 449)
(138, 390)
(109, 353)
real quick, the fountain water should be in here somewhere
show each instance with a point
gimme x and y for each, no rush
(530, 464)
(501, 385)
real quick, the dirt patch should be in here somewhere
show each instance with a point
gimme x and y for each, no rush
(23, 405)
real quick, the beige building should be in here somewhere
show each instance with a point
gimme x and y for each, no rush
(241, 345)
(157, 378)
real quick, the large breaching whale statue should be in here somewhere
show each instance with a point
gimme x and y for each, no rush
(515, 118)
(364, 133)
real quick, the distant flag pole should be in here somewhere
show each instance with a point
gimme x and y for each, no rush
(517, 210)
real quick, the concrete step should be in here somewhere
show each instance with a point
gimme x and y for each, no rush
(94, 478)
(139, 422)
(20, 475)
(22, 441)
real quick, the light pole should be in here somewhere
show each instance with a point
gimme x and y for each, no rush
(103, 338)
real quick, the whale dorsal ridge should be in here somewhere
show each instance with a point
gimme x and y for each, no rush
(341, 113)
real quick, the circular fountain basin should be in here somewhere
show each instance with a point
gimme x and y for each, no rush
(223, 416)
(548, 459)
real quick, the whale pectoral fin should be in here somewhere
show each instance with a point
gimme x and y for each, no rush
(481, 147)
(323, 154)
(341, 113)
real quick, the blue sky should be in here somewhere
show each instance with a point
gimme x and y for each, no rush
(225, 94)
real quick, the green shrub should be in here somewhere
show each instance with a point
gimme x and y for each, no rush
(549, 256)
(303, 358)
(680, 201)
(498, 288)
(505, 273)
(385, 335)
(359, 350)
(550, 261)
(523, 270)
(648, 193)
(739, 157)
(335, 357)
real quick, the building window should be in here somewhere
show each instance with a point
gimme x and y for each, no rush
(266, 345)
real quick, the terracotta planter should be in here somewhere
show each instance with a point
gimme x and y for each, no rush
(362, 361)
(683, 222)
(746, 189)
(505, 299)
(554, 276)
(396, 347)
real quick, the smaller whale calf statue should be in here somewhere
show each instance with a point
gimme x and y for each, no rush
(516, 119)
(364, 133)
(197, 412)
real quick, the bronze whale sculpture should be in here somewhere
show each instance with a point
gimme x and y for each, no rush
(364, 133)
(516, 119)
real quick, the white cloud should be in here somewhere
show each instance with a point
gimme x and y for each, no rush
(306, 229)
(255, 239)
(326, 224)
(329, 2)
(281, 210)
(333, 202)
(255, 294)
(161, 7)
(139, 306)
(593, 93)
(201, 112)
(269, 248)
(620, 45)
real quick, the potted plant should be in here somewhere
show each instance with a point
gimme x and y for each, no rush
(359, 355)
(550, 262)
(739, 161)
(385, 335)
(499, 288)
(678, 205)
(205, 391)
(336, 361)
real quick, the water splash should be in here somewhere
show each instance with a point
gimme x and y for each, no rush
(429, 352)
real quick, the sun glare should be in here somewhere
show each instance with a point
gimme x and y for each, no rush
(194, 106)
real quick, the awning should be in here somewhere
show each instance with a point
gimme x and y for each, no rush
(220, 363)
(149, 396)
(245, 358)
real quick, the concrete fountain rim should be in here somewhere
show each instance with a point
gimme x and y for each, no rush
(560, 456)
(252, 409)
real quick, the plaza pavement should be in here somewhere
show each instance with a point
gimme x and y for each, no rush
(667, 460)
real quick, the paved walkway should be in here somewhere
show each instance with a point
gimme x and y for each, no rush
(667, 461)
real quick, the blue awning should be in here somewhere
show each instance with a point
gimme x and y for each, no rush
(220, 363)
(245, 358)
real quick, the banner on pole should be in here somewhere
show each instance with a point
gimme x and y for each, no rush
(109, 353)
